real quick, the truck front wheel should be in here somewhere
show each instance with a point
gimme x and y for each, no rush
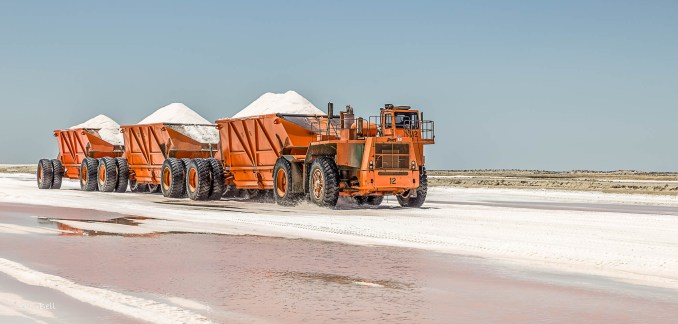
(418, 201)
(324, 182)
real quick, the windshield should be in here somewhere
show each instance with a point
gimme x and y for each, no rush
(407, 120)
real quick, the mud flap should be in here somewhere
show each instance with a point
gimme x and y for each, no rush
(297, 174)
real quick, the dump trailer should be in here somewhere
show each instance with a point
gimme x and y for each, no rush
(156, 156)
(80, 150)
(321, 157)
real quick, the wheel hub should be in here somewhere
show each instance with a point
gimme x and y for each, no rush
(166, 178)
(102, 174)
(281, 183)
(192, 179)
(317, 184)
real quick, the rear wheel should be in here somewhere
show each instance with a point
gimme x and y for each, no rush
(58, 172)
(198, 178)
(283, 184)
(173, 182)
(107, 174)
(324, 182)
(217, 172)
(152, 188)
(45, 174)
(251, 193)
(375, 200)
(231, 191)
(88, 174)
(418, 201)
(123, 174)
(185, 162)
(134, 186)
(369, 200)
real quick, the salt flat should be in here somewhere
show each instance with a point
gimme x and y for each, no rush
(632, 246)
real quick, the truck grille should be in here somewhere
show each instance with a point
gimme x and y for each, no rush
(392, 156)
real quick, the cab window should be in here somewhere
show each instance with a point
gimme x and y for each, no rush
(407, 120)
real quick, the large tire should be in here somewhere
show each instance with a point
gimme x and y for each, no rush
(58, 171)
(185, 162)
(107, 175)
(283, 184)
(375, 200)
(231, 191)
(217, 173)
(152, 188)
(360, 200)
(173, 179)
(252, 193)
(45, 174)
(88, 174)
(198, 180)
(134, 186)
(324, 182)
(123, 174)
(369, 200)
(417, 201)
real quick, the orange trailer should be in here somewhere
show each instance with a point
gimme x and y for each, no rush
(79, 151)
(156, 155)
(250, 147)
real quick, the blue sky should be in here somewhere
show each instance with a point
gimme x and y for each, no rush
(552, 85)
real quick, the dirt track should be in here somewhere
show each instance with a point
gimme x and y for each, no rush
(18, 168)
(661, 183)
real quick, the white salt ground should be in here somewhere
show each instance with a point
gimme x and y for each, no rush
(193, 125)
(629, 246)
(108, 129)
(289, 102)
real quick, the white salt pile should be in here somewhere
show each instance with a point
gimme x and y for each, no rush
(193, 125)
(175, 113)
(289, 102)
(108, 129)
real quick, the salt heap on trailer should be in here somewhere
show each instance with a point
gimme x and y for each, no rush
(289, 102)
(107, 129)
(191, 123)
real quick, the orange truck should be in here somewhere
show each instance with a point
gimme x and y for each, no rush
(288, 156)
(79, 152)
(321, 157)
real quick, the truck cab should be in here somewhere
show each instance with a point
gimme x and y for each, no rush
(402, 121)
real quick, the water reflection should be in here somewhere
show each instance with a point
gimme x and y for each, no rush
(346, 280)
(68, 230)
